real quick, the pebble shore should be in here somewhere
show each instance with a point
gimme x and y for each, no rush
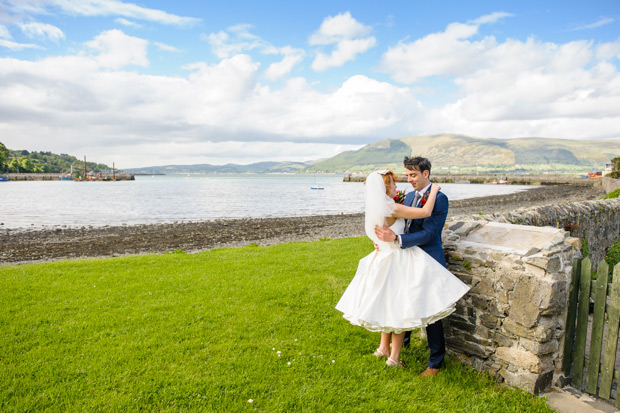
(21, 246)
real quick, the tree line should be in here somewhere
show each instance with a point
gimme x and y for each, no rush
(615, 173)
(23, 161)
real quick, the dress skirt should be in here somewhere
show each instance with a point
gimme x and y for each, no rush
(397, 290)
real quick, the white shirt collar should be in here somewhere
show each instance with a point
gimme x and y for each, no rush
(425, 189)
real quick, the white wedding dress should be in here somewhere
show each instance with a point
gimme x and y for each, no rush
(396, 290)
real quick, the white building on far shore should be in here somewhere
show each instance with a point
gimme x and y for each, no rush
(608, 168)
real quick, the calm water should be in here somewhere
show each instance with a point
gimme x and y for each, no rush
(172, 198)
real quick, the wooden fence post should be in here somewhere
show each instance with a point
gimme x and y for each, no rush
(596, 337)
(582, 322)
(569, 336)
(611, 342)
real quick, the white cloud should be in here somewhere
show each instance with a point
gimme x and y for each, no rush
(11, 45)
(339, 27)
(90, 103)
(446, 53)
(116, 49)
(515, 88)
(127, 23)
(100, 8)
(282, 68)
(36, 30)
(603, 21)
(491, 18)
(535, 80)
(550, 91)
(238, 39)
(234, 40)
(166, 47)
(86, 102)
(4, 32)
(347, 34)
(608, 51)
(345, 51)
(217, 153)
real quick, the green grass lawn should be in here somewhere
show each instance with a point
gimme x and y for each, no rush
(212, 331)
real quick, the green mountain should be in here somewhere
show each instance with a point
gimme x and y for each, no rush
(465, 154)
(260, 167)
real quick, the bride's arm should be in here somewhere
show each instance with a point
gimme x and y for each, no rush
(403, 211)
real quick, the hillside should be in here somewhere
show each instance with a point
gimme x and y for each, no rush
(465, 154)
(260, 167)
(23, 161)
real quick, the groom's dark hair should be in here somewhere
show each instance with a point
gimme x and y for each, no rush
(417, 164)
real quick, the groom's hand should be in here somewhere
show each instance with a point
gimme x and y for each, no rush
(384, 233)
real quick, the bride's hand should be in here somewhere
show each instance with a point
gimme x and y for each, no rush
(436, 188)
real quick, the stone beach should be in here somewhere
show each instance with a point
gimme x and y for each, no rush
(23, 245)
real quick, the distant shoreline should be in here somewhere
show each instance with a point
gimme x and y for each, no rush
(20, 246)
(99, 176)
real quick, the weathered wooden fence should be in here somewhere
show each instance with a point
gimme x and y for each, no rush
(593, 330)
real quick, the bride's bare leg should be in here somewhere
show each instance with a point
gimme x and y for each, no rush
(384, 346)
(397, 344)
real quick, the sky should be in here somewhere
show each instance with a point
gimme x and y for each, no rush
(159, 82)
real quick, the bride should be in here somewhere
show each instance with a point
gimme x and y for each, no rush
(396, 290)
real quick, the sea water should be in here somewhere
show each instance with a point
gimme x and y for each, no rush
(182, 198)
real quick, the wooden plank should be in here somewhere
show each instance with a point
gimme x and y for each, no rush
(596, 337)
(571, 316)
(611, 342)
(582, 322)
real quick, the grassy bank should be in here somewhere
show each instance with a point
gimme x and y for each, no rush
(212, 331)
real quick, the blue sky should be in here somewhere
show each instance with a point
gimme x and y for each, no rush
(159, 82)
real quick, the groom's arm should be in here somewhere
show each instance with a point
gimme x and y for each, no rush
(431, 226)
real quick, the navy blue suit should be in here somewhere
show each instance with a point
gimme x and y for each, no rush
(426, 234)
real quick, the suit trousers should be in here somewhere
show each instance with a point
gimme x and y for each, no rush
(436, 344)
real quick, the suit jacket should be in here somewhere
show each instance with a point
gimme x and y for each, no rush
(426, 232)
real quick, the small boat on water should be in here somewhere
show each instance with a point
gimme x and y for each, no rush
(3, 179)
(66, 178)
(316, 186)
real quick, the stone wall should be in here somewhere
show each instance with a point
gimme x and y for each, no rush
(511, 323)
(610, 184)
(518, 264)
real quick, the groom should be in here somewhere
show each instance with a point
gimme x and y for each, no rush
(426, 234)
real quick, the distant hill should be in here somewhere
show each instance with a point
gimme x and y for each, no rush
(260, 167)
(23, 161)
(465, 154)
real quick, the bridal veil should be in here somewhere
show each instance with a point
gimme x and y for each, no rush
(378, 205)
